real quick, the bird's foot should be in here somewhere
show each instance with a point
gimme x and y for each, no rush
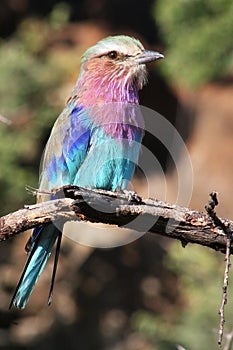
(133, 197)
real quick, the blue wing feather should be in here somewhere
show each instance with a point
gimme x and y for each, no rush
(82, 153)
(66, 148)
(65, 151)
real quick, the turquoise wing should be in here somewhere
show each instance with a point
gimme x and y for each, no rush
(66, 148)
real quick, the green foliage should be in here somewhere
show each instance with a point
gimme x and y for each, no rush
(198, 35)
(31, 95)
(60, 15)
(158, 333)
(195, 326)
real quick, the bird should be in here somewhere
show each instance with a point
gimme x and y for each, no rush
(94, 143)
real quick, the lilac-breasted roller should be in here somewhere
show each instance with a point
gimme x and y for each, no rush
(95, 141)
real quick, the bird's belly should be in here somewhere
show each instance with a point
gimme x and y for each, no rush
(109, 165)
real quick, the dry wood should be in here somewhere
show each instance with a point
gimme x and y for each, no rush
(129, 210)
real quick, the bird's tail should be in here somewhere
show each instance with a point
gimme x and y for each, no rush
(42, 242)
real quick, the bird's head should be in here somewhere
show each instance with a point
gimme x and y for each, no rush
(115, 64)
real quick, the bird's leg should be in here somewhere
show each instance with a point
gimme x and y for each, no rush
(55, 267)
(133, 197)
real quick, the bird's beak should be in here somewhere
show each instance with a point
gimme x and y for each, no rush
(147, 56)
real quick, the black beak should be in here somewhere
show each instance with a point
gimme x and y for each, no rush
(147, 56)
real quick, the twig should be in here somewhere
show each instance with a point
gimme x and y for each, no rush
(180, 347)
(226, 229)
(229, 340)
(224, 295)
(5, 120)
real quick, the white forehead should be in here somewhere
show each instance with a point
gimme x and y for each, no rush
(121, 43)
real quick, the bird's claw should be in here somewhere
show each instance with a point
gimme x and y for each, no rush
(133, 197)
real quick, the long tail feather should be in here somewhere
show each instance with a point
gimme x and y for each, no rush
(55, 267)
(33, 248)
(37, 258)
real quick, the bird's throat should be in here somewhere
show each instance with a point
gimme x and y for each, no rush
(107, 92)
(104, 83)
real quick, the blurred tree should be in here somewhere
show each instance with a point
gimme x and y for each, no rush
(134, 297)
(198, 36)
(32, 78)
(194, 325)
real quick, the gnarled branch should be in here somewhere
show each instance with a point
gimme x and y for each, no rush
(131, 211)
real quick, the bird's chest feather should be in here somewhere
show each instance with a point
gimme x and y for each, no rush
(95, 148)
(111, 158)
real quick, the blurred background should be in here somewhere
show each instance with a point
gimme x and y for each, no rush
(150, 294)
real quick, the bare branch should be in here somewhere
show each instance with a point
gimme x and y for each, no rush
(142, 215)
(180, 347)
(5, 120)
(226, 229)
(229, 340)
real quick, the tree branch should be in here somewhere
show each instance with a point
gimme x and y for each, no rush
(143, 215)
(228, 233)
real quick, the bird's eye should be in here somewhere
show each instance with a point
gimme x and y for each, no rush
(113, 55)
